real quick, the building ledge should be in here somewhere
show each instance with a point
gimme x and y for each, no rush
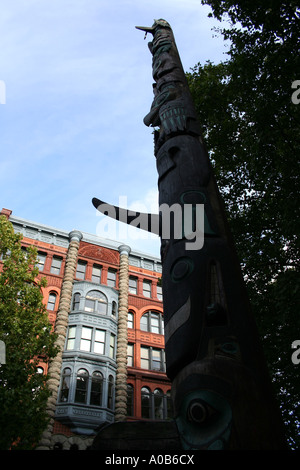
(83, 419)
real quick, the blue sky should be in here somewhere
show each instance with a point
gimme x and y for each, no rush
(78, 84)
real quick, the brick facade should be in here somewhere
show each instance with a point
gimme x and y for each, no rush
(90, 304)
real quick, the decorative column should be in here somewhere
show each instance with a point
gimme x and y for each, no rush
(121, 375)
(60, 329)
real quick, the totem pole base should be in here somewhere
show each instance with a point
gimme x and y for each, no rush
(138, 436)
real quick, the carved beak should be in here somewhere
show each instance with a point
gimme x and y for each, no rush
(147, 29)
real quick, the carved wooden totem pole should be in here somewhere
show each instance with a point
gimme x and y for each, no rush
(221, 389)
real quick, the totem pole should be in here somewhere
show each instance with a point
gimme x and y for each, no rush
(221, 389)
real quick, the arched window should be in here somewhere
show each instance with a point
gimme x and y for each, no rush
(65, 385)
(158, 404)
(95, 301)
(146, 402)
(81, 386)
(152, 322)
(130, 404)
(114, 309)
(96, 389)
(130, 321)
(51, 301)
(76, 301)
(110, 392)
(169, 405)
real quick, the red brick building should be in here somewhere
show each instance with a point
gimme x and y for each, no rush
(86, 390)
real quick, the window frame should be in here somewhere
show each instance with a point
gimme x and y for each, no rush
(71, 339)
(97, 302)
(133, 289)
(159, 293)
(96, 396)
(147, 288)
(112, 346)
(111, 281)
(51, 305)
(96, 279)
(64, 393)
(76, 301)
(151, 359)
(130, 321)
(41, 256)
(82, 391)
(130, 355)
(147, 322)
(56, 265)
(81, 273)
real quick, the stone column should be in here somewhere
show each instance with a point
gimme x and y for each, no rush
(60, 329)
(121, 375)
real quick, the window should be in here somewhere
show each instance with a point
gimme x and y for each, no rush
(51, 301)
(157, 359)
(152, 359)
(147, 288)
(152, 322)
(110, 393)
(76, 301)
(112, 346)
(86, 339)
(133, 285)
(95, 301)
(99, 342)
(158, 404)
(56, 265)
(96, 389)
(130, 398)
(81, 386)
(146, 403)
(80, 271)
(130, 320)
(169, 405)
(41, 258)
(90, 340)
(130, 352)
(159, 292)
(155, 405)
(96, 274)
(145, 357)
(65, 386)
(71, 338)
(114, 309)
(111, 277)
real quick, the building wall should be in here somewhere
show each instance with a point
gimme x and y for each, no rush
(147, 382)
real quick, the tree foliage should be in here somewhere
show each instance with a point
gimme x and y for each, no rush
(251, 128)
(26, 332)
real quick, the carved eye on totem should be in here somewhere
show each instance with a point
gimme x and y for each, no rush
(201, 412)
(204, 420)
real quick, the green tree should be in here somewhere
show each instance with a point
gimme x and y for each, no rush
(251, 128)
(26, 332)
